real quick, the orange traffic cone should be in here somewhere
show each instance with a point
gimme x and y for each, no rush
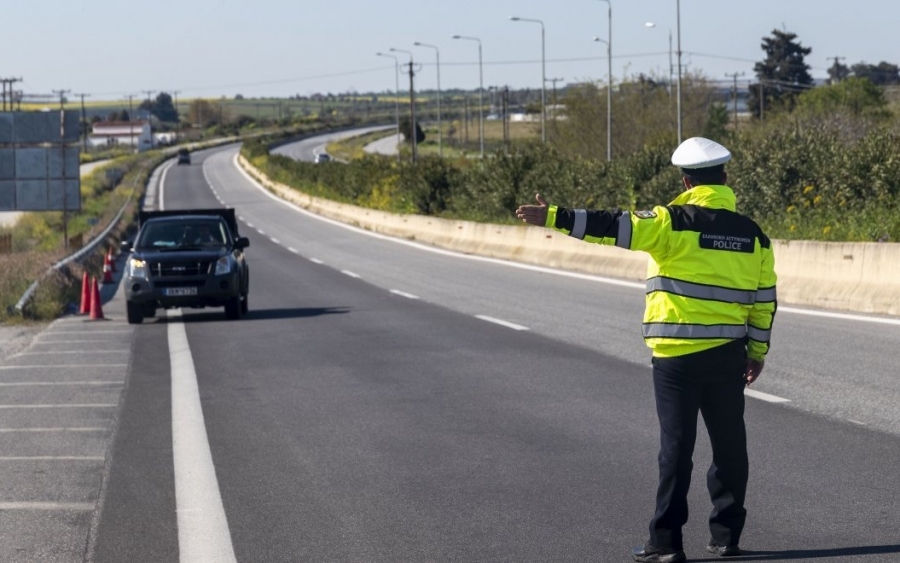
(85, 307)
(96, 306)
(107, 270)
(112, 259)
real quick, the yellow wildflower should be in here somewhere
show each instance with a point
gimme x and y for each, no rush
(790, 209)
(817, 199)
(826, 230)
(808, 189)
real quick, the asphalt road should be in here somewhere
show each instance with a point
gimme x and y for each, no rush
(388, 402)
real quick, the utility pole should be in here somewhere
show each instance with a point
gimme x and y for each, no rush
(8, 82)
(150, 113)
(734, 75)
(83, 122)
(412, 111)
(131, 120)
(62, 140)
(555, 103)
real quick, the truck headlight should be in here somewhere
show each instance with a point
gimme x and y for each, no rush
(223, 265)
(137, 268)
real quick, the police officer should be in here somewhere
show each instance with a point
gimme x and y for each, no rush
(708, 319)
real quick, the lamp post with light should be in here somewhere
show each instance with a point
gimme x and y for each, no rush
(438, 57)
(543, 74)
(480, 91)
(412, 104)
(396, 96)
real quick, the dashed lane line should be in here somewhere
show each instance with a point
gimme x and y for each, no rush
(501, 322)
(404, 294)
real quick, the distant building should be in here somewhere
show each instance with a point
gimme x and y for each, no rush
(132, 133)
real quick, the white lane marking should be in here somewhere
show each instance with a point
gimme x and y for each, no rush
(250, 225)
(260, 231)
(501, 322)
(542, 269)
(52, 458)
(162, 186)
(45, 352)
(316, 261)
(275, 240)
(84, 429)
(841, 316)
(64, 366)
(59, 406)
(854, 421)
(351, 274)
(49, 383)
(404, 294)
(203, 533)
(83, 331)
(72, 506)
(42, 341)
(765, 396)
(294, 250)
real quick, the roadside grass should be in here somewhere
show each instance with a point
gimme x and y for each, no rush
(352, 148)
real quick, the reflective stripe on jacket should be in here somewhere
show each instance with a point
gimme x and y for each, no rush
(711, 274)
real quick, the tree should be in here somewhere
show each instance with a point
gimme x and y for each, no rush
(837, 72)
(857, 95)
(882, 74)
(162, 107)
(405, 130)
(783, 75)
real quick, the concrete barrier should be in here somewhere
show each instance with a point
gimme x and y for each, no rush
(858, 276)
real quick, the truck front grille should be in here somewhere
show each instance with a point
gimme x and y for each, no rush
(180, 269)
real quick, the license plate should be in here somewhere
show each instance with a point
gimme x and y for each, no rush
(179, 291)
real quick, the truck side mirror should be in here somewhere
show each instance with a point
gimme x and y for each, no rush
(242, 242)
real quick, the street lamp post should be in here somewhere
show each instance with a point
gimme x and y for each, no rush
(480, 90)
(438, 58)
(608, 106)
(396, 97)
(412, 104)
(678, 9)
(543, 75)
(609, 88)
(671, 69)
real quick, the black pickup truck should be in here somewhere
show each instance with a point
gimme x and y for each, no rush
(186, 258)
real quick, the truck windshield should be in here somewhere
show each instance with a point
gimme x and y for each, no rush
(183, 234)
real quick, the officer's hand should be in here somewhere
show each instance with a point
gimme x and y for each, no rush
(753, 371)
(534, 214)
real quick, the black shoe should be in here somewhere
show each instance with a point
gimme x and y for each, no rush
(650, 554)
(723, 550)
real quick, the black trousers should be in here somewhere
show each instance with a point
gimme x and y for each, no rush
(712, 383)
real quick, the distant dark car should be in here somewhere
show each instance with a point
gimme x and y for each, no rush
(184, 156)
(186, 258)
(322, 157)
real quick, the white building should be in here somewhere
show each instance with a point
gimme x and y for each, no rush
(131, 133)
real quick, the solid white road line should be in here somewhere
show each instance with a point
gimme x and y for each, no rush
(52, 458)
(85, 429)
(203, 533)
(71, 406)
(501, 322)
(65, 366)
(74, 506)
(765, 396)
(52, 383)
(404, 294)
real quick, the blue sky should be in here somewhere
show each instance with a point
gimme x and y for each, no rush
(210, 48)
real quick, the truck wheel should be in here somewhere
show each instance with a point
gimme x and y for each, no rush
(245, 304)
(149, 310)
(135, 313)
(233, 308)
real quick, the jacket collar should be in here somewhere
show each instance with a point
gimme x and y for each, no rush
(714, 197)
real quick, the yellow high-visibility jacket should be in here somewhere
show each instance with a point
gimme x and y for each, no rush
(711, 274)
